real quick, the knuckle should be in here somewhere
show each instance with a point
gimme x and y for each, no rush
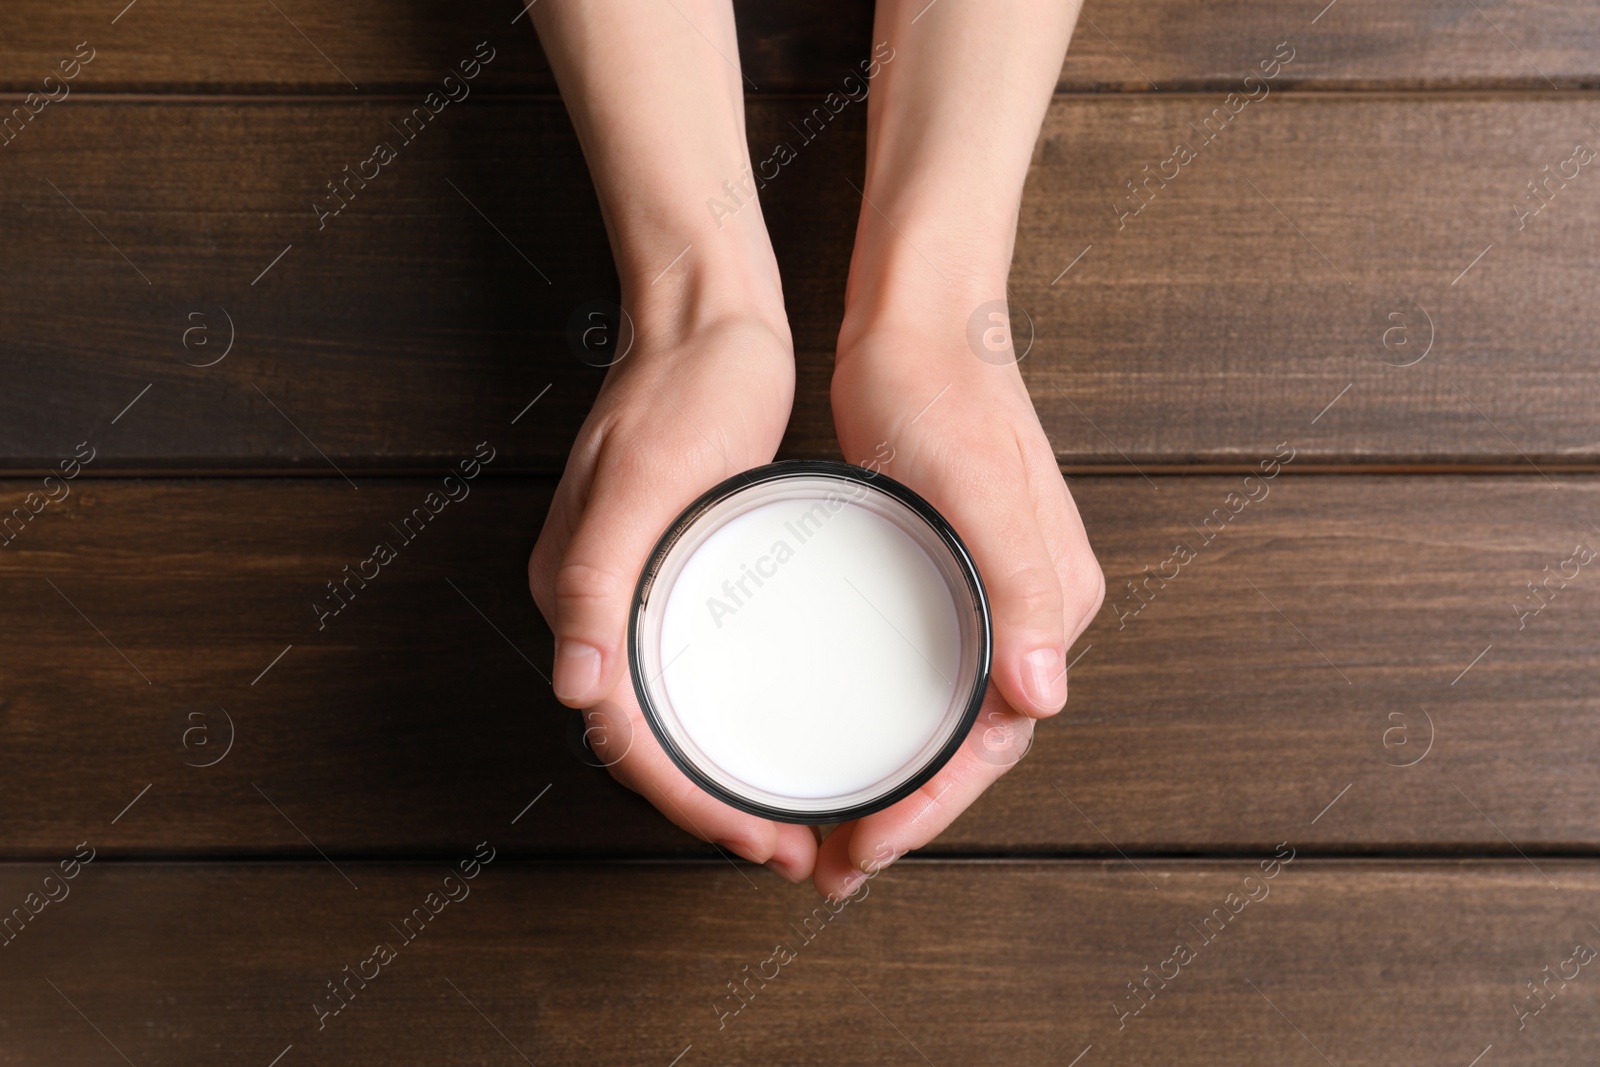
(1090, 592)
(1034, 592)
(541, 582)
(578, 583)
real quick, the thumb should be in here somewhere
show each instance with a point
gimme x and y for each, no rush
(1025, 597)
(626, 510)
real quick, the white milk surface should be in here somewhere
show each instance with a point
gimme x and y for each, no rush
(828, 675)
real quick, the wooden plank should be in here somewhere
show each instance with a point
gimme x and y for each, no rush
(385, 335)
(1213, 325)
(1335, 630)
(1361, 243)
(1026, 963)
(307, 46)
(797, 45)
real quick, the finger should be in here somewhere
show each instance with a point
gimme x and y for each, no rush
(1083, 582)
(1000, 525)
(836, 876)
(620, 738)
(996, 742)
(629, 504)
(545, 558)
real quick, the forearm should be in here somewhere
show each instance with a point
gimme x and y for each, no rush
(657, 99)
(953, 118)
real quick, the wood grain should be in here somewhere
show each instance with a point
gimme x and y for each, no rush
(796, 45)
(1330, 632)
(1021, 963)
(1363, 242)
(1356, 666)
(438, 303)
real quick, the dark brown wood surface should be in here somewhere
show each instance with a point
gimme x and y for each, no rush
(1331, 632)
(1355, 664)
(798, 45)
(1297, 263)
(937, 963)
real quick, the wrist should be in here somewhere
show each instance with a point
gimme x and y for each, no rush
(921, 306)
(679, 279)
(923, 265)
(697, 294)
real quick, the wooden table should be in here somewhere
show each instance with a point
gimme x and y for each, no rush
(1353, 685)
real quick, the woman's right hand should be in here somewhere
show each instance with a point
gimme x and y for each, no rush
(705, 394)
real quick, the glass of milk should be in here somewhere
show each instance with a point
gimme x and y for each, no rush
(810, 641)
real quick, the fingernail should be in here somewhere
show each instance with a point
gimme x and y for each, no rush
(881, 857)
(1044, 679)
(782, 871)
(852, 882)
(577, 670)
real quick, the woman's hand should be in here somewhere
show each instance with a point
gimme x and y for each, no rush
(919, 404)
(954, 113)
(705, 394)
(658, 106)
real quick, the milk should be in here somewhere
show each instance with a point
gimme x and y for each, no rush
(810, 647)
